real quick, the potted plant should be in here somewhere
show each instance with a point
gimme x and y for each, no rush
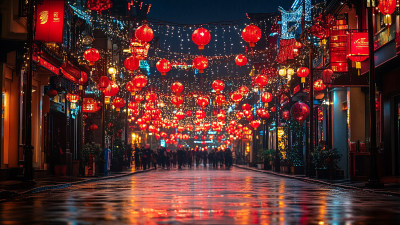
(295, 158)
(90, 156)
(268, 158)
(325, 162)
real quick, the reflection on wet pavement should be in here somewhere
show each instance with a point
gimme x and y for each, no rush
(202, 196)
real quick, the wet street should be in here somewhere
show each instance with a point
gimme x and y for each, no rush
(202, 196)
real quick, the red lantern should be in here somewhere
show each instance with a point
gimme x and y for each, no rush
(144, 33)
(99, 5)
(266, 98)
(111, 90)
(202, 101)
(255, 124)
(261, 80)
(201, 37)
(241, 60)
(131, 64)
(180, 115)
(251, 34)
(239, 115)
(93, 127)
(246, 107)
(221, 116)
(319, 85)
(104, 82)
(303, 72)
(200, 63)
(163, 66)
(118, 103)
(177, 100)
(327, 76)
(387, 7)
(139, 98)
(151, 97)
(273, 109)
(244, 90)
(262, 113)
(132, 105)
(236, 97)
(189, 113)
(285, 115)
(73, 98)
(130, 86)
(300, 111)
(218, 86)
(220, 99)
(92, 55)
(189, 127)
(140, 81)
(177, 88)
(200, 114)
(51, 93)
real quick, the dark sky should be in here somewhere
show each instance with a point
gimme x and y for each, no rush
(204, 11)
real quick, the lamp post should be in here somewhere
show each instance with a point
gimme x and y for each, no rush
(373, 180)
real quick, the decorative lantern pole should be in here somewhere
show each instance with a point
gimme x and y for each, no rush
(373, 181)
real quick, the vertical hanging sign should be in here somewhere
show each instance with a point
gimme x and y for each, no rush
(49, 19)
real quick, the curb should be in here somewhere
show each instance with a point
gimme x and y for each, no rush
(61, 186)
(310, 180)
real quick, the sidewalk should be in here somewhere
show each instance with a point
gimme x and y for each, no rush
(389, 189)
(14, 188)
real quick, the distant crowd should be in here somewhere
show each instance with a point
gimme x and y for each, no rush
(146, 158)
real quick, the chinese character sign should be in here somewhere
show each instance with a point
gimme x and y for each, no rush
(357, 49)
(50, 21)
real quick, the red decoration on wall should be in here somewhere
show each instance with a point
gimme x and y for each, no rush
(337, 45)
(251, 34)
(240, 60)
(327, 76)
(73, 98)
(319, 85)
(89, 105)
(357, 46)
(201, 37)
(99, 5)
(93, 127)
(49, 17)
(144, 33)
(163, 66)
(286, 47)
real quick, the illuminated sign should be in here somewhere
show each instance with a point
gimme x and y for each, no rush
(50, 21)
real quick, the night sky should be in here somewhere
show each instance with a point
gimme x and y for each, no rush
(205, 11)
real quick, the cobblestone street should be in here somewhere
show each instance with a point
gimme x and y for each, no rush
(202, 196)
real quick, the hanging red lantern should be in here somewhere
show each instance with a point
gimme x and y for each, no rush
(73, 98)
(273, 109)
(300, 111)
(140, 81)
(240, 60)
(177, 100)
(111, 90)
(319, 85)
(92, 55)
(218, 86)
(387, 7)
(220, 99)
(221, 116)
(51, 93)
(99, 5)
(266, 98)
(236, 97)
(131, 64)
(132, 105)
(261, 80)
(177, 88)
(244, 90)
(202, 101)
(104, 82)
(201, 37)
(200, 63)
(93, 127)
(251, 34)
(118, 103)
(200, 114)
(246, 113)
(255, 124)
(285, 115)
(262, 113)
(303, 72)
(163, 66)
(130, 86)
(239, 115)
(139, 98)
(151, 97)
(189, 113)
(144, 33)
(189, 127)
(180, 115)
(327, 76)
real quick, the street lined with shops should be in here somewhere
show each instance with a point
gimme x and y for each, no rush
(199, 196)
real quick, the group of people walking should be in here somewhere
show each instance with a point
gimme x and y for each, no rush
(146, 158)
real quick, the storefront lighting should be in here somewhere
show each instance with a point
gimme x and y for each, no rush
(282, 72)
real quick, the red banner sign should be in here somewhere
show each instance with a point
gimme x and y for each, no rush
(357, 48)
(50, 21)
(90, 105)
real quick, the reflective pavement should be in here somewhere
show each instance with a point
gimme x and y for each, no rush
(202, 196)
